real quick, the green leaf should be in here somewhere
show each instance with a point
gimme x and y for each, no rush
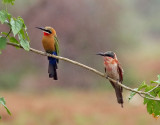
(143, 85)
(3, 16)
(145, 101)
(24, 43)
(22, 37)
(24, 26)
(149, 88)
(13, 40)
(132, 94)
(3, 102)
(8, 1)
(9, 17)
(3, 42)
(158, 77)
(25, 34)
(150, 107)
(159, 94)
(22, 33)
(7, 110)
(16, 25)
(4, 33)
(158, 81)
(156, 108)
(156, 91)
(155, 82)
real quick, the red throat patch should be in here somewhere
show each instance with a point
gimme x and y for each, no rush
(46, 34)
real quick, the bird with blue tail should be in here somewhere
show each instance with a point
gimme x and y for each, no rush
(50, 45)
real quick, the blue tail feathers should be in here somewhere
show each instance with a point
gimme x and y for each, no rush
(53, 61)
(52, 67)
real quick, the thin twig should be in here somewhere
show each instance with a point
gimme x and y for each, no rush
(8, 32)
(154, 88)
(156, 99)
(141, 93)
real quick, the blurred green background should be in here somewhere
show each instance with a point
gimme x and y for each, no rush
(129, 28)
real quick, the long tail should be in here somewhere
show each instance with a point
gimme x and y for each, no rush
(52, 70)
(52, 67)
(118, 90)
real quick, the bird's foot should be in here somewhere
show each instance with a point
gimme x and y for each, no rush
(117, 81)
(107, 77)
(45, 53)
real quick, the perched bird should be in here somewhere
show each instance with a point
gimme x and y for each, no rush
(114, 71)
(50, 45)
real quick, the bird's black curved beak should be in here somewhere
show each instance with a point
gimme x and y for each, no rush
(48, 31)
(40, 28)
(101, 54)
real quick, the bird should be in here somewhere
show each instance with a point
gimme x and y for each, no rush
(51, 45)
(114, 70)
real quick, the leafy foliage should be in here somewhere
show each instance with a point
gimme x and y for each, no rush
(3, 102)
(3, 16)
(142, 85)
(17, 27)
(153, 106)
(13, 40)
(8, 1)
(132, 94)
(24, 43)
(3, 42)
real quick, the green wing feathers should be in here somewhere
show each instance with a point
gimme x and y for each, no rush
(56, 47)
(56, 44)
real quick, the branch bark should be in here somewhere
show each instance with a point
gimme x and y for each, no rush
(141, 93)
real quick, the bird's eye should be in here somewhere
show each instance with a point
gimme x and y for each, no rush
(110, 56)
(49, 31)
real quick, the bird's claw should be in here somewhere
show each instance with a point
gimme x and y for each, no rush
(117, 81)
(107, 77)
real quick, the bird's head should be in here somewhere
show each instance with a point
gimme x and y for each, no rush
(109, 57)
(48, 31)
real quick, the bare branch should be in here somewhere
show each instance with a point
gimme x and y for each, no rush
(141, 93)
